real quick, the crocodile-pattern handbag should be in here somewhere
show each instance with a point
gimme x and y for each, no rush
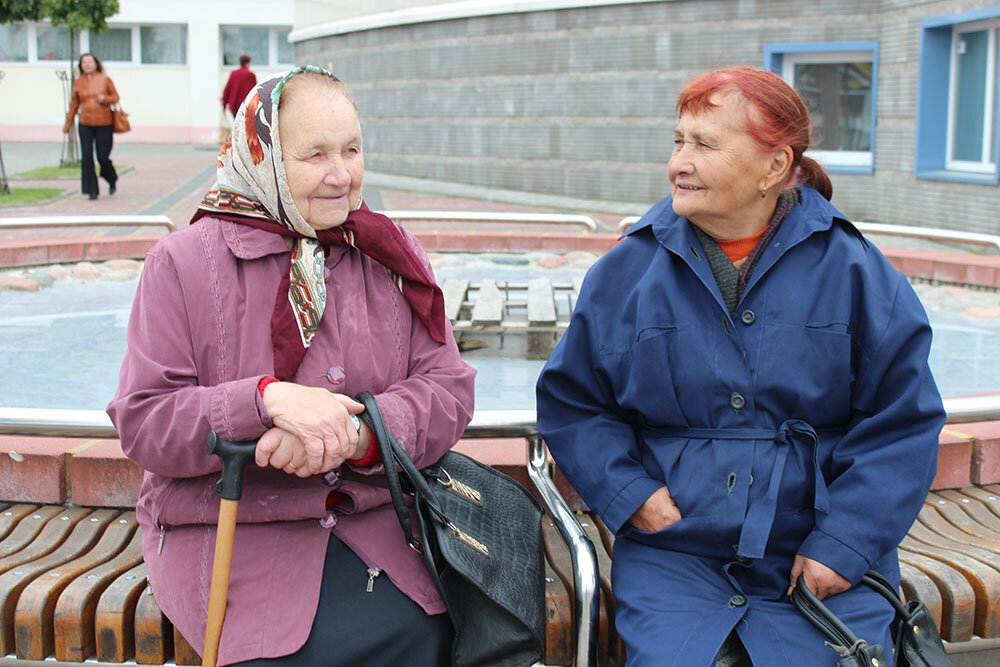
(482, 541)
(914, 631)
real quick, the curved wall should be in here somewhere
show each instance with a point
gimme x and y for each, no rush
(579, 101)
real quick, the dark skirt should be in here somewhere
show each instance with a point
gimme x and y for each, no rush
(356, 627)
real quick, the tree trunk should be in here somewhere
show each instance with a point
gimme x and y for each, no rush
(70, 154)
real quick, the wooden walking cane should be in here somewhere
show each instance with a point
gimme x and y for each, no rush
(235, 456)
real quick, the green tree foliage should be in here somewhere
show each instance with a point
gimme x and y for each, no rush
(79, 14)
(20, 10)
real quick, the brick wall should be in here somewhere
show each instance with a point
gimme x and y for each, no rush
(579, 102)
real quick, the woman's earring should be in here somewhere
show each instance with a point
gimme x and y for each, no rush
(763, 193)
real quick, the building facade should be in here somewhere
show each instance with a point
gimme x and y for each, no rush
(169, 62)
(577, 98)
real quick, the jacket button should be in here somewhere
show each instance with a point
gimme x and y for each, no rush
(335, 375)
(748, 317)
(737, 401)
(737, 601)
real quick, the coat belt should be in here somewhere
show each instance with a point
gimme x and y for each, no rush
(760, 515)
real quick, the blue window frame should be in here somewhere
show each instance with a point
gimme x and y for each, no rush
(839, 82)
(958, 97)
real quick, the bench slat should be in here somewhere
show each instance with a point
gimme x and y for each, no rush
(154, 637)
(957, 516)
(975, 508)
(918, 586)
(558, 620)
(489, 304)
(10, 516)
(958, 601)
(183, 653)
(921, 532)
(73, 623)
(454, 297)
(985, 581)
(114, 620)
(933, 519)
(51, 551)
(48, 577)
(27, 530)
(990, 501)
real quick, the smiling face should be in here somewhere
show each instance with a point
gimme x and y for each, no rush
(321, 149)
(717, 171)
(88, 65)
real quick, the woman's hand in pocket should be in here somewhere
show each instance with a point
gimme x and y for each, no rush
(657, 513)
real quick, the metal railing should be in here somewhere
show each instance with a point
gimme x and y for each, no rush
(577, 219)
(930, 233)
(485, 424)
(88, 221)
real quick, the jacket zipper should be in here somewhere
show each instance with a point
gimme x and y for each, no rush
(372, 573)
(163, 534)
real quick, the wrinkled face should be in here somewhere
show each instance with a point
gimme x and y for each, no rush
(716, 170)
(88, 65)
(321, 149)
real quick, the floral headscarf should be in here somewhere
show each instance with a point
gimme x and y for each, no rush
(251, 188)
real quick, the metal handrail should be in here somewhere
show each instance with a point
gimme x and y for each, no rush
(889, 230)
(497, 216)
(88, 221)
(929, 233)
(627, 222)
(485, 424)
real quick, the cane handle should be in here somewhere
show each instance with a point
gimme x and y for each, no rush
(235, 456)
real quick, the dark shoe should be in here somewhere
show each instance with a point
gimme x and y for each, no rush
(112, 188)
(92, 195)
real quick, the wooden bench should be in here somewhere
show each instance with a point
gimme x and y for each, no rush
(73, 585)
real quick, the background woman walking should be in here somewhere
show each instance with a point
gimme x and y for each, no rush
(93, 95)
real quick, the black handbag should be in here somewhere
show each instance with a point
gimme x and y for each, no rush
(914, 631)
(482, 539)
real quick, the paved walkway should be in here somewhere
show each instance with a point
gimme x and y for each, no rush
(170, 179)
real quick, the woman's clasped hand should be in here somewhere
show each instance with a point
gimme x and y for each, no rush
(312, 432)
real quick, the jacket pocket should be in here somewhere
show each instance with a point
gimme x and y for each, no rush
(807, 370)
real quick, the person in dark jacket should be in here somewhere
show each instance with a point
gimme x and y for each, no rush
(241, 82)
(93, 94)
(743, 396)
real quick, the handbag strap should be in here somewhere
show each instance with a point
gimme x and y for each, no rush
(881, 585)
(393, 454)
(826, 621)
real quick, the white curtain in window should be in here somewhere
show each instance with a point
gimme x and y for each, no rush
(14, 43)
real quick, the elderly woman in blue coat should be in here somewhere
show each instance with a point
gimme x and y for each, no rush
(743, 396)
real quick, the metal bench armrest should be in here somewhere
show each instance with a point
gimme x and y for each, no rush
(582, 553)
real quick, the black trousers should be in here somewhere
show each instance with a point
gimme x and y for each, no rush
(383, 628)
(103, 137)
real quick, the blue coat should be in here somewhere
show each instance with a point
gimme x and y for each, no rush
(808, 423)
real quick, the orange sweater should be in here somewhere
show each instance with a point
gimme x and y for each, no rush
(86, 88)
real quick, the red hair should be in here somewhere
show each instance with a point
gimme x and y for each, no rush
(777, 116)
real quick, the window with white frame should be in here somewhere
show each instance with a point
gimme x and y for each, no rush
(958, 97)
(14, 43)
(267, 47)
(972, 106)
(139, 44)
(837, 81)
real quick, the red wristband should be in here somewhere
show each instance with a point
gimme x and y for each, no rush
(371, 457)
(264, 382)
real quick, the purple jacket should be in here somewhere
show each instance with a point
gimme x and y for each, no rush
(198, 343)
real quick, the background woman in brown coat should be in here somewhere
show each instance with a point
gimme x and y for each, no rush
(93, 95)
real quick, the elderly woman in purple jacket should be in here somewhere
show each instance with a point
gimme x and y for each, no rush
(284, 298)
